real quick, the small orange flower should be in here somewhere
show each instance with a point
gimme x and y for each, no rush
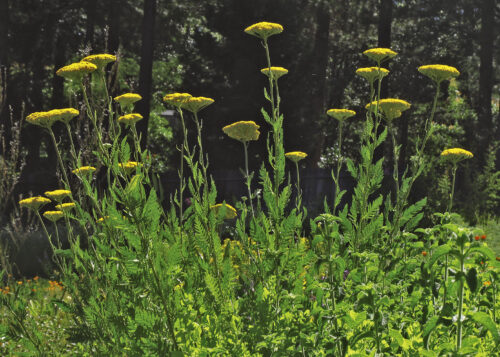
(498, 259)
(476, 237)
(19, 283)
(483, 237)
(487, 283)
(36, 278)
(424, 253)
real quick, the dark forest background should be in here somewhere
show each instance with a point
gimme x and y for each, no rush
(200, 47)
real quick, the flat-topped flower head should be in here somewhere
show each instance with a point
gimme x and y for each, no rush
(53, 215)
(390, 107)
(127, 99)
(275, 72)
(176, 99)
(129, 166)
(84, 170)
(242, 131)
(372, 73)
(379, 54)
(230, 211)
(439, 72)
(130, 119)
(263, 30)
(43, 119)
(296, 156)
(100, 60)
(77, 70)
(34, 203)
(58, 195)
(195, 104)
(65, 115)
(456, 155)
(340, 114)
(66, 207)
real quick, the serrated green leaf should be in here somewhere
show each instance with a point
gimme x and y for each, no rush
(485, 320)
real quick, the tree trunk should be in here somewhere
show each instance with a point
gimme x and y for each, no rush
(486, 75)
(146, 71)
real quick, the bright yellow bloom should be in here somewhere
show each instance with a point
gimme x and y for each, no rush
(65, 115)
(129, 166)
(102, 219)
(456, 155)
(176, 99)
(439, 72)
(127, 99)
(264, 29)
(84, 170)
(380, 54)
(43, 119)
(296, 156)
(340, 114)
(242, 131)
(230, 211)
(276, 72)
(372, 73)
(100, 60)
(76, 70)
(58, 195)
(34, 202)
(66, 207)
(195, 104)
(390, 107)
(53, 215)
(130, 118)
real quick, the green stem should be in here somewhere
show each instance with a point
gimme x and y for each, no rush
(454, 174)
(73, 150)
(339, 166)
(460, 300)
(66, 181)
(299, 192)
(245, 146)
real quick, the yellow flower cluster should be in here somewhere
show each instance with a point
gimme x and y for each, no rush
(264, 29)
(295, 156)
(340, 114)
(66, 207)
(58, 195)
(372, 73)
(130, 119)
(456, 154)
(390, 107)
(176, 99)
(439, 72)
(230, 211)
(274, 72)
(129, 166)
(34, 203)
(53, 215)
(84, 170)
(47, 119)
(100, 60)
(195, 104)
(379, 54)
(127, 99)
(242, 131)
(77, 70)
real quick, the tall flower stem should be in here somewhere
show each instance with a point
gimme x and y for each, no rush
(247, 176)
(460, 299)
(299, 192)
(181, 170)
(73, 150)
(339, 166)
(63, 170)
(453, 174)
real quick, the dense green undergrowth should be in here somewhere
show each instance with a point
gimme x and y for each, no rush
(137, 279)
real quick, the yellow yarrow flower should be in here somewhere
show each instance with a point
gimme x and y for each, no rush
(195, 104)
(77, 70)
(263, 30)
(456, 155)
(390, 107)
(66, 207)
(340, 114)
(372, 73)
(230, 211)
(65, 115)
(276, 72)
(53, 215)
(176, 99)
(439, 72)
(295, 156)
(43, 119)
(127, 99)
(58, 195)
(102, 219)
(130, 118)
(379, 54)
(84, 170)
(100, 60)
(129, 166)
(242, 131)
(34, 203)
